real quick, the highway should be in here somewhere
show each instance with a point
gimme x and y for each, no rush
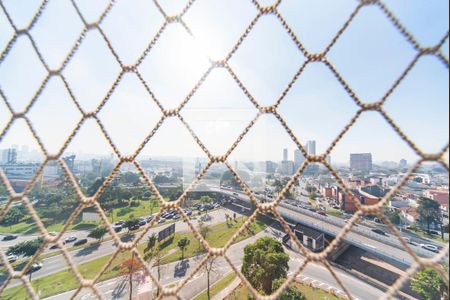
(118, 288)
(57, 263)
(360, 236)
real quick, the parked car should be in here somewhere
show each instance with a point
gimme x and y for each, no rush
(35, 267)
(119, 223)
(134, 227)
(117, 228)
(434, 232)
(70, 239)
(312, 210)
(431, 248)
(379, 231)
(13, 258)
(176, 217)
(161, 220)
(10, 237)
(53, 233)
(80, 242)
(188, 211)
(149, 219)
(142, 223)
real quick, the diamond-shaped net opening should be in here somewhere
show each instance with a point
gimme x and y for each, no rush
(69, 84)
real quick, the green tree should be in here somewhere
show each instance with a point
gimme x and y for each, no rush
(14, 216)
(153, 255)
(291, 293)
(183, 244)
(98, 232)
(394, 217)
(129, 267)
(429, 284)
(28, 248)
(429, 211)
(130, 178)
(264, 262)
(95, 186)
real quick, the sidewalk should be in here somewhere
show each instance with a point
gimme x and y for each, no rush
(227, 291)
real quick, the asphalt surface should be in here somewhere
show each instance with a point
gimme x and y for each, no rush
(118, 288)
(360, 236)
(58, 263)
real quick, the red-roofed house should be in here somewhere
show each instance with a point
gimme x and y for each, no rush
(440, 196)
(410, 214)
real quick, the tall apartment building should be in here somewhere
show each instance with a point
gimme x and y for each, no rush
(311, 148)
(299, 158)
(361, 161)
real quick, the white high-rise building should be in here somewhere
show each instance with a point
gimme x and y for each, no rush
(311, 148)
(299, 158)
(285, 154)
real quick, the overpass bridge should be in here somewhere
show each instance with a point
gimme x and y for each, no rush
(385, 247)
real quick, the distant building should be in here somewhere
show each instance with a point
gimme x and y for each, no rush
(311, 148)
(440, 196)
(299, 158)
(20, 171)
(310, 238)
(287, 167)
(403, 164)
(348, 202)
(410, 214)
(361, 162)
(271, 167)
(285, 154)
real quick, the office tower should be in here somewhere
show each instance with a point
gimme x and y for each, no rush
(299, 158)
(311, 148)
(285, 155)
(361, 161)
(403, 164)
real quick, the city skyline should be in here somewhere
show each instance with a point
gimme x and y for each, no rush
(316, 108)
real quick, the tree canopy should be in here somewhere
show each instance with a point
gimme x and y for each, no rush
(28, 248)
(429, 211)
(291, 293)
(98, 232)
(429, 284)
(265, 262)
(14, 216)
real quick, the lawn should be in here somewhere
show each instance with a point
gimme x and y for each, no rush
(335, 212)
(124, 213)
(218, 237)
(310, 293)
(65, 280)
(218, 287)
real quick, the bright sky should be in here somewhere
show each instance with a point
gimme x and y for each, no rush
(370, 56)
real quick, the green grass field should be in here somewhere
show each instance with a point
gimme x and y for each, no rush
(124, 213)
(65, 280)
(218, 287)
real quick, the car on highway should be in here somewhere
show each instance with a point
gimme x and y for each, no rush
(312, 210)
(323, 213)
(80, 242)
(379, 231)
(35, 267)
(56, 246)
(411, 242)
(429, 247)
(70, 239)
(10, 237)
